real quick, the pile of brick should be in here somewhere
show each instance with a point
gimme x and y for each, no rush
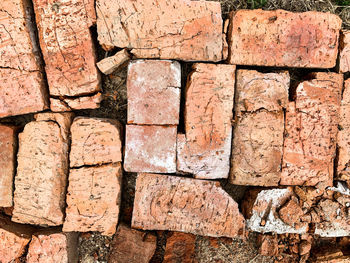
(62, 174)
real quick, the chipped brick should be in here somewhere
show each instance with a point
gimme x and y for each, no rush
(173, 203)
(154, 92)
(180, 247)
(205, 148)
(184, 30)
(69, 104)
(110, 64)
(282, 38)
(268, 245)
(344, 54)
(291, 213)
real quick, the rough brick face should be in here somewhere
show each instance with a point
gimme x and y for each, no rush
(22, 90)
(42, 169)
(150, 149)
(154, 92)
(258, 130)
(311, 131)
(8, 146)
(95, 141)
(184, 30)
(344, 54)
(67, 46)
(281, 38)
(76, 103)
(205, 148)
(180, 247)
(93, 199)
(173, 203)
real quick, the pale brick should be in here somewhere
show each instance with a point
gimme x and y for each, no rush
(40, 183)
(67, 46)
(70, 104)
(150, 149)
(311, 131)
(172, 29)
(282, 38)
(131, 245)
(344, 54)
(154, 92)
(110, 64)
(93, 199)
(53, 247)
(165, 202)
(95, 141)
(8, 146)
(205, 148)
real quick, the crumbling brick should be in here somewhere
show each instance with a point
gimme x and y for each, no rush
(154, 92)
(93, 199)
(268, 245)
(184, 30)
(150, 149)
(110, 64)
(205, 148)
(282, 38)
(344, 54)
(40, 183)
(131, 245)
(173, 203)
(291, 212)
(180, 247)
(311, 131)
(69, 104)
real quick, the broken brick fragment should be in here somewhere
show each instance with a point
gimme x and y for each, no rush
(153, 88)
(282, 38)
(291, 212)
(130, 245)
(344, 53)
(205, 148)
(183, 30)
(150, 149)
(93, 199)
(40, 182)
(268, 245)
(95, 141)
(180, 247)
(110, 64)
(311, 131)
(164, 202)
(75, 103)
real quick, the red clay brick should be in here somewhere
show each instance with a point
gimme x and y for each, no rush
(282, 38)
(291, 212)
(67, 46)
(344, 54)
(154, 92)
(311, 131)
(205, 148)
(51, 247)
(268, 245)
(165, 202)
(69, 104)
(150, 149)
(180, 247)
(8, 146)
(110, 64)
(184, 30)
(95, 141)
(39, 196)
(131, 245)
(93, 199)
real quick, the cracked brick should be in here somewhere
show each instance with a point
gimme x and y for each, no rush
(311, 131)
(205, 148)
(184, 30)
(282, 38)
(78, 103)
(166, 202)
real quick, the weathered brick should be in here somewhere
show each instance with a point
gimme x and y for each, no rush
(268, 245)
(131, 245)
(154, 92)
(344, 54)
(78, 103)
(53, 247)
(205, 148)
(110, 64)
(8, 146)
(343, 139)
(150, 149)
(165, 202)
(22, 87)
(180, 247)
(67, 46)
(282, 38)
(95, 141)
(93, 199)
(291, 212)
(311, 131)
(184, 30)
(13, 240)
(39, 196)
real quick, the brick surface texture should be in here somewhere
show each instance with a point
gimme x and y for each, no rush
(311, 131)
(180, 247)
(282, 38)
(110, 64)
(205, 148)
(184, 30)
(199, 207)
(259, 125)
(344, 54)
